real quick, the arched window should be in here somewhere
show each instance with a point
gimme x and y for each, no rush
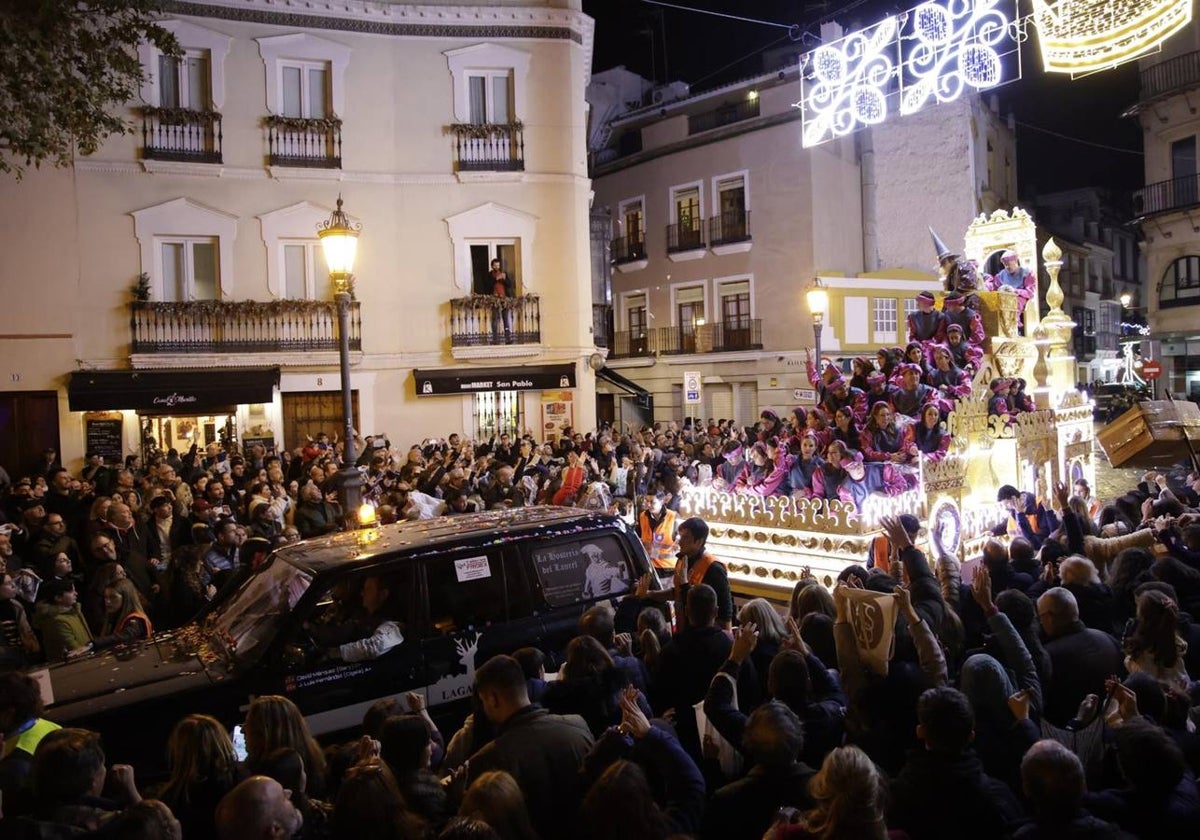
(1180, 284)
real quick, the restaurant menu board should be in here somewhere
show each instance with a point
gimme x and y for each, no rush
(107, 438)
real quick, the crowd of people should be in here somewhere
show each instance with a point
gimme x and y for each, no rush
(1048, 697)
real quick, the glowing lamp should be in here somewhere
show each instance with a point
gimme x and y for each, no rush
(818, 300)
(1085, 36)
(366, 514)
(1126, 299)
(339, 242)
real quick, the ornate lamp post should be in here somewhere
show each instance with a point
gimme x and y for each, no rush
(818, 304)
(339, 241)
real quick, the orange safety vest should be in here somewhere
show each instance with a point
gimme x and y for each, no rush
(660, 543)
(696, 573)
(135, 614)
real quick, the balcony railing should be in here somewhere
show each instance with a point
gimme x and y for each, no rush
(493, 147)
(1166, 196)
(181, 134)
(628, 249)
(685, 236)
(302, 142)
(746, 109)
(1173, 74)
(730, 226)
(244, 326)
(725, 337)
(485, 320)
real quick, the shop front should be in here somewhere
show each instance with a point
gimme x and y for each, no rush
(507, 400)
(147, 412)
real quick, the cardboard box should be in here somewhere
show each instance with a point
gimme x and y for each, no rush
(1151, 434)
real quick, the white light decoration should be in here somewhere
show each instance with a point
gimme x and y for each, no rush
(948, 50)
(929, 55)
(846, 83)
(1085, 36)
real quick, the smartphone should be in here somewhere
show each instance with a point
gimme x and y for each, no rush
(239, 743)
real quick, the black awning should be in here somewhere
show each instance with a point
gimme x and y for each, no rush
(176, 391)
(642, 398)
(477, 380)
(625, 384)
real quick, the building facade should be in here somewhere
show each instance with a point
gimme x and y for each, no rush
(455, 135)
(721, 219)
(1168, 204)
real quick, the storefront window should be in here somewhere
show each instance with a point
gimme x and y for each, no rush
(498, 413)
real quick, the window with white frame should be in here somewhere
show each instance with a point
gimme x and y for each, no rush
(305, 275)
(631, 220)
(910, 308)
(489, 83)
(884, 316)
(304, 88)
(689, 308)
(187, 249)
(184, 81)
(490, 93)
(731, 208)
(635, 315)
(190, 268)
(483, 253)
(687, 212)
(195, 80)
(305, 75)
(493, 231)
(734, 302)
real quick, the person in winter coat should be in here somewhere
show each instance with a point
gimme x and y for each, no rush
(59, 619)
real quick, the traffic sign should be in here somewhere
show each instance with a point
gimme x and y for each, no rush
(1151, 369)
(691, 387)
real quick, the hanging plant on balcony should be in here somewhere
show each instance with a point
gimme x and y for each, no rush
(490, 302)
(484, 131)
(317, 124)
(178, 116)
(265, 309)
(141, 289)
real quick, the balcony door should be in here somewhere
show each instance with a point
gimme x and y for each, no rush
(689, 314)
(687, 216)
(482, 254)
(183, 82)
(731, 197)
(190, 269)
(735, 314)
(636, 319)
(1183, 171)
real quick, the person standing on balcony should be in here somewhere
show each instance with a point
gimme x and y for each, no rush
(502, 287)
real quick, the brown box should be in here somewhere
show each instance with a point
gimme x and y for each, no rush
(1151, 434)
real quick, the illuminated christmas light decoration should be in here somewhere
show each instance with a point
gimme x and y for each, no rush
(1085, 36)
(948, 50)
(846, 83)
(929, 55)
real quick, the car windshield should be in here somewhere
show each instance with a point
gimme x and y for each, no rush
(245, 623)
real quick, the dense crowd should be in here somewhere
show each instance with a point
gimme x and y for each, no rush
(1050, 697)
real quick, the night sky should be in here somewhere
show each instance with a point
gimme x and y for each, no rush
(697, 47)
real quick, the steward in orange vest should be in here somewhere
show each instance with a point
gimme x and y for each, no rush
(656, 526)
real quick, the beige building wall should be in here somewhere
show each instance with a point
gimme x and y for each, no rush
(68, 279)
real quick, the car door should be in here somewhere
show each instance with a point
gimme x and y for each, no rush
(465, 620)
(334, 694)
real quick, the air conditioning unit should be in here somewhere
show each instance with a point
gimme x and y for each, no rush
(672, 92)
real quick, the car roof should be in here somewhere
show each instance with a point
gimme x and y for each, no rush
(368, 546)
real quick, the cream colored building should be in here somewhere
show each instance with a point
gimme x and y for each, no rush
(1167, 206)
(455, 134)
(720, 220)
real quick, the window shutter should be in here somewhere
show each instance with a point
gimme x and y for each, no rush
(477, 87)
(291, 92)
(168, 82)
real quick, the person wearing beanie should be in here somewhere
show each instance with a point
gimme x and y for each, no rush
(927, 322)
(998, 403)
(877, 388)
(968, 320)
(966, 355)
(912, 394)
(841, 394)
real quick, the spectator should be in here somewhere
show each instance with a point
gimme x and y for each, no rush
(203, 769)
(369, 806)
(406, 748)
(59, 619)
(22, 728)
(849, 794)
(286, 766)
(1080, 657)
(542, 751)
(273, 722)
(1052, 779)
(68, 775)
(257, 809)
(125, 619)
(1155, 646)
(496, 799)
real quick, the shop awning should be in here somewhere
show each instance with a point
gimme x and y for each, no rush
(476, 380)
(170, 391)
(642, 397)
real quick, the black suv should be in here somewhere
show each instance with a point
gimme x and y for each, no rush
(471, 587)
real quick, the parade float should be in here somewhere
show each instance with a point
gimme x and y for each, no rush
(768, 541)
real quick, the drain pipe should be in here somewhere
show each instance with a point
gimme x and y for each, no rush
(870, 216)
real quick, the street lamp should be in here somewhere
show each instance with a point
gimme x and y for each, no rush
(339, 241)
(818, 304)
(1126, 299)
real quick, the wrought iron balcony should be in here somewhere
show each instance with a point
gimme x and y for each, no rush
(243, 326)
(628, 249)
(1167, 196)
(685, 236)
(728, 227)
(734, 112)
(491, 147)
(486, 320)
(181, 134)
(1171, 75)
(303, 142)
(744, 334)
